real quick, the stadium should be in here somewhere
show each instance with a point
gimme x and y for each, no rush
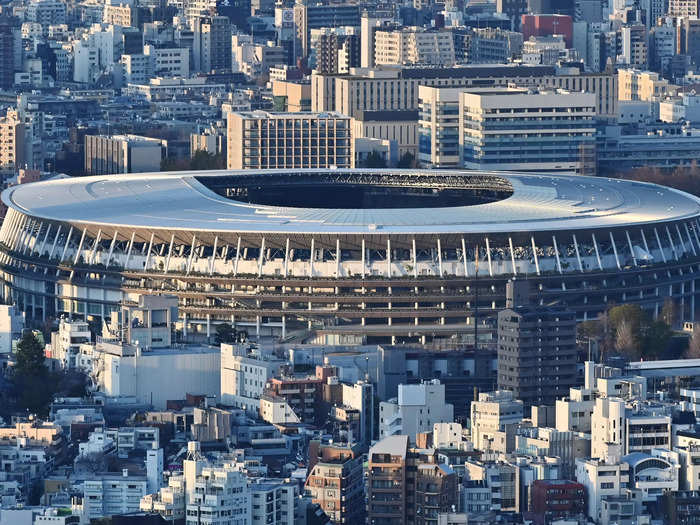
(348, 255)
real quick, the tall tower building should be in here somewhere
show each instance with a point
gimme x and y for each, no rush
(536, 348)
(212, 43)
(8, 34)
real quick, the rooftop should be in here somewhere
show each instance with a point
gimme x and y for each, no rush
(181, 202)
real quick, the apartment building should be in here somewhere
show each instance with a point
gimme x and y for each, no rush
(113, 493)
(336, 481)
(11, 143)
(574, 412)
(406, 485)
(491, 416)
(602, 479)
(66, 342)
(262, 140)
(413, 45)
(519, 130)
(635, 84)
(212, 44)
(391, 88)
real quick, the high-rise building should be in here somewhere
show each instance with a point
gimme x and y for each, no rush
(260, 139)
(212, 44)
(336, 50)
(536, 348)
(336, 481)
(438, 127)
(9, 34)
(407, 485)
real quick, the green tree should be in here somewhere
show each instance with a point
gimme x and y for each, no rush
(374, 160)
(225, 333)
(34, 384)
(29, 359)
(406, 161)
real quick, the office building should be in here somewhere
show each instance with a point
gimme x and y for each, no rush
(399, 127)
(397, 89)
(536, 348)
(261, 140)
(499, 130)
(115, 154)
(438, 127)
(244, 375)
(417, 409)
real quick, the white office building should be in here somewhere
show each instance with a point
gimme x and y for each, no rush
(526, 130)
(417, 409)
(244, 373)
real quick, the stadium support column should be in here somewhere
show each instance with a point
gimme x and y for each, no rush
(690, 238)
(284, 327)
(148, 252)
(238, 256)
(55, 241)
(661, 247)
(488, 256)
(337, 268)
(464, 258)
(24, 235)
(617, 259)
(512, 255)
(388, 259)
(189, 259)
(213, 254)
(673, 246)
(208, 326)
(578, 253)
(286, 265)
(556, 253)
(597, 252)
(94, 246)
(170, 253)
(534, 254)
(680, 239)
(111, 247)
(80, 246)
(629, 243)
(261, 257)
(65, 246)
(311, 259)
(695, 233)
(128, 250)
(439, 250)
(644, 240)
(364, 253)
(184, 325)
(46, 237)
